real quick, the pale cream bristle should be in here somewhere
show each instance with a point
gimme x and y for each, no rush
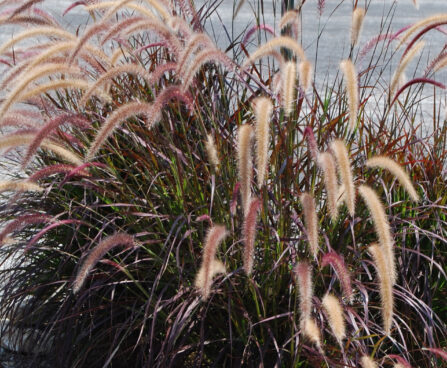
(345, 172)
(414, 51)
(381, 226)
(438, 18)
(351, 85)
(367, 362)
(395, 169)
(245, 163)
(305, 74)
(216, 267)
(327, 165)
(385, 286)
(311, 222)
(211, 150)
(288, 86)
(19, 186)
(263, 109)
(312, 332)
(335, 315)
(357, 21)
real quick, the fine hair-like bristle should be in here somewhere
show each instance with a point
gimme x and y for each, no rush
(385, 285)
(305, 74)
(338, 263)
(351, 86)
(303, 277)
(345, 172)
(367, 362)
(335, 315)
(245, 168)
(357, 22)
(99, 252)
(249, 234)
(263, 109)
(210, 265)
(381, 226)
(412, 53)
(327, 165)
(288, 86)
(311, 222)
(312, 332)
(392, 166)
(211, 151)
(19, 186)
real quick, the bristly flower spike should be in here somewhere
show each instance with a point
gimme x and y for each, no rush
(335, 315)
(245, 167)
(311, 222)
(249, 234)
(352, 88)
(357, 21)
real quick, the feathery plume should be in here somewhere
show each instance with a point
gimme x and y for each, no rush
(245, 163)
(202, 58)
(291, 18)
(438, 18)
(381, 226)
(50, 170)
(233, 203)
(392, 166)
(22, 221)
(305, 74)
(352, 90)
(345, 172)
(124, 112)
(312, 332)
(357, 21)
(255, 28)
(367, 362)
(210, 265)
(335, 315)
(441, 353)
(263, 109)
(119, 27)
(42, 71)
(311, 143)
(196, 41)
(338, 263)
(288, 86)
(134, 69)
(281, 41)
(211, 150)
(303, 278)
(99, 252)
(249, 233)
(311, 221)
(89, 33)
(39, 31)
(405, 85)
(385, 286)
(403, 65)
(327, 165)
(19, 186)
(61, 152)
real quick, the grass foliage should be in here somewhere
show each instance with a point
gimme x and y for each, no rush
(165, 232)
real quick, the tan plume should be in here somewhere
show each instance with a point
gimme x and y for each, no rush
(327, 165)
(245, 167)
(263, 109)
(357, 21)
(288, 86)
(305, 74)
(211, 150)
(352, 90)
(311, 222)
(335, 315)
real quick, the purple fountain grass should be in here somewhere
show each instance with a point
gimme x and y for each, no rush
(39, 31)
(80, 171)
(303, 277)
(356, 26)
(255, 28)
(99, 252)
(263, 109)
(327, 164)
(291, 18)
(73, 119)
(419, 35)
(42, 232)
(280, 41)
(311, 143)
(335, 316)
(245, 168)
(52, 169)
(74, 5)
(22, 221)
(344, 169)
(249, 233)
(437, 18)
(416, 81)
(305, 74)
(320, 6)
(210, 265)
(119, 27)
(312, 332)
(115, 71)
(126, 111)
(351, 87)
(438, 63)
(403, 65)
(441, 353)
(311, 222)
(381, 226)
(385, 285)
(199, 40)
(288, 86)
(338, 263)
(211, 150)
(202, 58)
(367, 362)
(233, 203)
(19, 186)
(384, 162)
(400, 360)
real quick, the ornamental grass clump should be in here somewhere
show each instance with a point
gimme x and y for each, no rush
(194, 203)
